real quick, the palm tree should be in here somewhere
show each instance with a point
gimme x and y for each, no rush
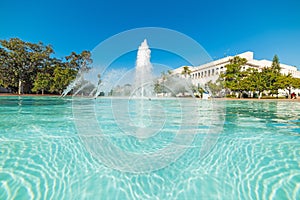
(164, 78)
(186, 71)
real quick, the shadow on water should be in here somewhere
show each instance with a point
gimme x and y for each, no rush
(273, 115)
(33, 101)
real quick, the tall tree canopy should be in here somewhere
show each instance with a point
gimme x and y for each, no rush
(20, 62)
(234, 74)
(26, 67)
(275, 65)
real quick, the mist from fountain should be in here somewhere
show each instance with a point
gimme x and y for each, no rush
(108, 82)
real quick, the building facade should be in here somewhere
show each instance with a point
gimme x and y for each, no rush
(211, 71)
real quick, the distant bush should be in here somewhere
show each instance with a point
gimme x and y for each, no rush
(271, 97)
(230, 96)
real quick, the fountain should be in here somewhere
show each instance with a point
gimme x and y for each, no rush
(137, 127)
(143, 85)
(139, 83)
(143, 72)
(143, 90)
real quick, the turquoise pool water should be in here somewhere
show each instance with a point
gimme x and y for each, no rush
(51, 148)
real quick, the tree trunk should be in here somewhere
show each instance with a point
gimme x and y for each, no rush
(42, 91)
(20, 87)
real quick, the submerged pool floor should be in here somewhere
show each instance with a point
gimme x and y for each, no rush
(52, 148)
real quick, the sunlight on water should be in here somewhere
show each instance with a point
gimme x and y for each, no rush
(255, 155)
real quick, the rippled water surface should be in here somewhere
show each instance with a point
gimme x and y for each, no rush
(240, 150)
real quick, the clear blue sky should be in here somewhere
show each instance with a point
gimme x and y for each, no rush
(221, 27)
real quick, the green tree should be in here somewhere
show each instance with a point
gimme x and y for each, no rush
(296, 83)
(164, 78)
(287, 82)
(254, 81)
(62, 77)
(5, 74)
(31, 66)
(186, 71)
(234, 74)
(21, 61)
(42, 82)
(158, 87)
(77, 61)
(271, 75)
(276, 65)
(216, 87)
(65, 72)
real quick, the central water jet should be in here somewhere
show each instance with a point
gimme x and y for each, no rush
(143, 89)
(143, 72)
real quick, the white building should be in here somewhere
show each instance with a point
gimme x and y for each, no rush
(211, 71)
